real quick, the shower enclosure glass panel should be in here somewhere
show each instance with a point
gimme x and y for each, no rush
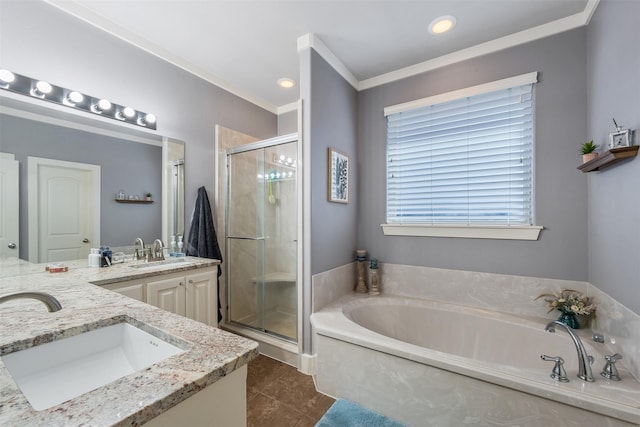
(261, 239)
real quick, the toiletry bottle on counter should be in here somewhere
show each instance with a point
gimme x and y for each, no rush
(373, 277)
(105, 256)
(173, 246)
(94, 258)
(180, 243)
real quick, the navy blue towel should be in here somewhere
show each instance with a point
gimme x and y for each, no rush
(203, 241)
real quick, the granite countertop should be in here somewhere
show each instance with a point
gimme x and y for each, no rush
(134, 399)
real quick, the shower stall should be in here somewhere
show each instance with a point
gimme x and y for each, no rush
(261, 237)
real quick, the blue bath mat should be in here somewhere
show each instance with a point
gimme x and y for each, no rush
(344, 413)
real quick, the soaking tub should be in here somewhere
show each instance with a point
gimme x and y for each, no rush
(428, 363)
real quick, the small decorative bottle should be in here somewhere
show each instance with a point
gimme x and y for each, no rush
(373, 277)
(361, 257)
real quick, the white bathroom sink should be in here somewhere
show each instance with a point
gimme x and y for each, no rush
(55, 372)
(157, 263)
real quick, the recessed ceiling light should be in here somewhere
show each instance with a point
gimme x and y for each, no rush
(442, 24)
(286, 83)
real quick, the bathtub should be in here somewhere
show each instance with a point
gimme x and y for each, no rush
(429, 363)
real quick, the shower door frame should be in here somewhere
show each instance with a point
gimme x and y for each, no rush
(258, 145)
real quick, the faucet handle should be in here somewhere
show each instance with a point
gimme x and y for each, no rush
(557, 373)
(610, 371)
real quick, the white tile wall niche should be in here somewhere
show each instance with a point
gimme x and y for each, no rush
(498, 292)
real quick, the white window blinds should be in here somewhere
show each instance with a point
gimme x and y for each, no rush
(463, 161)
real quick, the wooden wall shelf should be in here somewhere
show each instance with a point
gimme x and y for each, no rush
(146, 202)
(609, 158)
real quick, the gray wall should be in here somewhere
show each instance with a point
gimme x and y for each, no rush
(133, 167)
(561, 190)
(333, 124)
(39, 41)
(613, 53)
(288, 123)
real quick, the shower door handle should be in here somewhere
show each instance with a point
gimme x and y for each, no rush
(245, 238)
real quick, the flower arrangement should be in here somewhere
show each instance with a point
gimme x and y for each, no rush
(569, 301)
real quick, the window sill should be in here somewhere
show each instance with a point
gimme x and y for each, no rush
(503, 232)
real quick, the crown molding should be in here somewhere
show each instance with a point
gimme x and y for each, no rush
(96, 20)
(287, 108)
(310, 40)
(522, 37)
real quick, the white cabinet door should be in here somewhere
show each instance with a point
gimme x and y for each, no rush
(167, 294)
(130, 288)
(202, 298)
(134, 291)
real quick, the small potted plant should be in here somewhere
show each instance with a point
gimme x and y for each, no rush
(588, 150)
(571, 304)
(148, 197)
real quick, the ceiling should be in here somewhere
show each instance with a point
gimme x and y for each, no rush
(246, 46)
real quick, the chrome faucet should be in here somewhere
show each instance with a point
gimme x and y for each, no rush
(156, 251)
(584, 360)
(139, 254)
(49, 300)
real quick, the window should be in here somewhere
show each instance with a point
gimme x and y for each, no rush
(463, 159)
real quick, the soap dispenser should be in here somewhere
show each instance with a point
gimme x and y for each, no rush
(180, 243)
(172, 245)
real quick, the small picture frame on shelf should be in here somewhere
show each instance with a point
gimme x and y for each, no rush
(621, 138)
(338, 190)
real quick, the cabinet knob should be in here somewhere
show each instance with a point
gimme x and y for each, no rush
(190, 281)
(181, 283)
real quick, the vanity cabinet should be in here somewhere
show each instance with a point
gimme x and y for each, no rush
(131, 288)
(191, 294)
(168, 294)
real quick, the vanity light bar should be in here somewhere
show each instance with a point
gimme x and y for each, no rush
(70, 98)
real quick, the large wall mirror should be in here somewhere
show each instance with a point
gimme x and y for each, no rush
(73, 183)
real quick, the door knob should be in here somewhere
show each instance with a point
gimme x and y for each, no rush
(85, 240)
(11, 245)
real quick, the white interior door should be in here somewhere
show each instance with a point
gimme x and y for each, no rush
(64, 209)
(9, 214)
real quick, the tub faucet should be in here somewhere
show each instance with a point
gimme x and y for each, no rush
(49, 300)
(584, 360)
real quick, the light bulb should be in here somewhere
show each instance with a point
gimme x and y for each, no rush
(102, 105)
(73, 98)
(7, 76)
(129, 112)
(150, 118)
(41, 89)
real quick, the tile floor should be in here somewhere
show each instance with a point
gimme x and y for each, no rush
(280, 396)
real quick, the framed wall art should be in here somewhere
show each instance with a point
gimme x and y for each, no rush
(338, 190)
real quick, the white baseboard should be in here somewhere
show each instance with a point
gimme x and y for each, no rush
(308, 364)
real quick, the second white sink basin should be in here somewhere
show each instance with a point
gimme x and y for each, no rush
(55, 372)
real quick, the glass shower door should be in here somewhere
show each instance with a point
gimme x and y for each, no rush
(261, 239)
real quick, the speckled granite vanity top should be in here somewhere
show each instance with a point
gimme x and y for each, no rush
(132, 400)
